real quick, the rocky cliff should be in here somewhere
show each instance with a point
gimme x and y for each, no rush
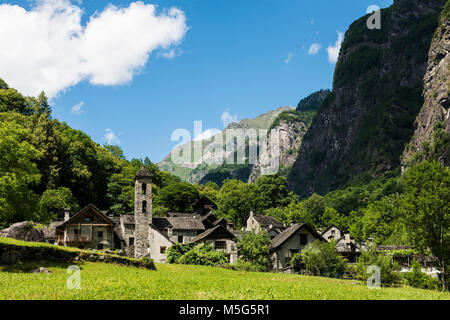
(431, 139)
(362, 127)
(291, 126)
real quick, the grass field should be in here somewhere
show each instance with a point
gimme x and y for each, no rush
(109, 281)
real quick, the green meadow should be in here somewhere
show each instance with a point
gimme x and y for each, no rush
(109, 281)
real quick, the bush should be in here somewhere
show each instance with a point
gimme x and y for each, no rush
(388, 268)
(254, 249)
(417, 279)
(320, 259)
(203, 255)
(175, 252)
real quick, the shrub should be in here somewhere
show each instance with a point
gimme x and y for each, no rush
(320, 259)
(388, 268)
(204, 255)
(417, 279)
(175, 252)
(254, 249)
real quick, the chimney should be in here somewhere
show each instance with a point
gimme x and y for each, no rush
(66, 214)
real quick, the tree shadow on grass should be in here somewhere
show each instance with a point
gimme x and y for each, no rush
(28, 267)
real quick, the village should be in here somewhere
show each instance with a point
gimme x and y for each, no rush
(142, 235)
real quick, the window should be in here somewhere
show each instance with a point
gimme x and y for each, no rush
(144, 189)
(144, 206)
(303, 239)
(333, 232)
(162, 250)
(180, 239)
(131, 241)
(220, 245)
(100, 246)
(100, 234)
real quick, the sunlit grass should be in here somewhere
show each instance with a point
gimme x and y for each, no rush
(107, 281)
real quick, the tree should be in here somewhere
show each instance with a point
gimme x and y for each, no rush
(383, 221)
(271, 191)
(254, 248)
(178, 197)
(17, 173)
(54, 201)
(320, 259)
(427, 199)
(235, 201)
(115, 150)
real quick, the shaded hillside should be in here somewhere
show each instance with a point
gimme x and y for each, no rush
(313, 101)
(363, 126)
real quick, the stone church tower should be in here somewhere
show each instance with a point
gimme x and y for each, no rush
(142, 211)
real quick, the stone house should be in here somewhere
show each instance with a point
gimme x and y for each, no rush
(345, 244)
(222, 239)
(258, 223)
(289, 242)
(90, 228)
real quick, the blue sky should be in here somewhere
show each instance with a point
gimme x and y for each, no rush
(245, 57)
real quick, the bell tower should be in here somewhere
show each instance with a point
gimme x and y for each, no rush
(142, 211)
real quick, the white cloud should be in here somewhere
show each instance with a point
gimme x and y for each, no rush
(333, 51)
(314, 49)
(77, 109)
(49, 49)
(111, 137)
(227, 118)
(289, 58)
(207, 134)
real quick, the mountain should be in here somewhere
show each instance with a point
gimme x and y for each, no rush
(313, 101)
(290, 123)
(431, 138)
(199, 168)
(362, 127)
(291, 126)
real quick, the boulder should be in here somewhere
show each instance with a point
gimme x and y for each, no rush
(41, 270)
(24, 231)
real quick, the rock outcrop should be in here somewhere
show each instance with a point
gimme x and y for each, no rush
(431, 139)
(27, 231)
(363, 126)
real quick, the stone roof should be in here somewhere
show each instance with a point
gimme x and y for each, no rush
(205, 235)
(127, 218)
(266, 221)
(185, 223)
(161, 223)
(204, 202)
(84, 211)
(289, 232)
(178, 214)
(143, 173)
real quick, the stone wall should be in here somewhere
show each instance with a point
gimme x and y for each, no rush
(11, 254)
